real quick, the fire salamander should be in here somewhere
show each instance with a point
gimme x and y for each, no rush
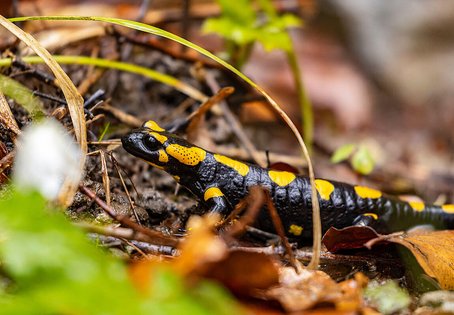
(220, 182)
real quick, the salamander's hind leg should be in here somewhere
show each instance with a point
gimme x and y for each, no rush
(365, 219)
(215, 201)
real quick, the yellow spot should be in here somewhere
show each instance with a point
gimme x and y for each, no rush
(238, 166)
(212, 192)
(281, 178)
(189, 156)
(159, 137)
(324, 188)
(151, 124)
(177, 178)
(417, 205)
(366, 192)
(448, 208)
(163, 157)
(295, 229)
(370, 214)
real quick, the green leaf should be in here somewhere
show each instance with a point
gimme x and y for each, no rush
(22, 95)
(342, 153)
(241, 11)
(228, 29)
(274, 34)
(362, 161)
(388, 298)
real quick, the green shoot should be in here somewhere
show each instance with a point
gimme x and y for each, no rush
(361, 159)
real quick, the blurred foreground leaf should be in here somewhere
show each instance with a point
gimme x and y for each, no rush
(22, 95)
(388, 297)
(49, 267)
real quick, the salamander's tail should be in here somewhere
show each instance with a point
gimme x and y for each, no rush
(441, 216)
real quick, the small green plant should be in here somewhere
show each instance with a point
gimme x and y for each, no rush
(241, 26)
(359, 156)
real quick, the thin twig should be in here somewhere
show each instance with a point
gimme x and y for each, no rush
(7, 161)
(255, 200)
(105, 176)
(235, 124)
(280, 230)
(131, 203)
(154, 236)
(123, 117)
(196, 117)
(6, 116)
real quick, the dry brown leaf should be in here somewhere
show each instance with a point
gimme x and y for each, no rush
(6, 116)
(434, 252)
(298, 292)
(201, 247)
(244, 272)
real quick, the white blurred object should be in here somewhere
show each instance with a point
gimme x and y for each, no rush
(46, 157)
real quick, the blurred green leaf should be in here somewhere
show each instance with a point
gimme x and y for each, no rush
(230, 30)
(387, 297)
(362, 161)
(239, 11)
(22, 95)
(49, 267)
(272, 33)
(343, 153)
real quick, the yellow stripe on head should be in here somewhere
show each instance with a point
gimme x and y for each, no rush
(240, 167)
(366, 192)
(159, 137)
(151, 124)
(281, 178)
(188, 156)
(324, 188)
(448, 208)
(212, 192)
(417, 205)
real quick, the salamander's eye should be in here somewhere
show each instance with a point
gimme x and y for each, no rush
(151, 143)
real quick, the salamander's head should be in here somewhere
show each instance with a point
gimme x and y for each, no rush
(163, 149)
(148, 143)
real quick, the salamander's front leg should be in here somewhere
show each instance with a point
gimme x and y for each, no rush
(216, 201)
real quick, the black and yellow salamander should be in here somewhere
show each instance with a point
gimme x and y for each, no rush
(220, 182)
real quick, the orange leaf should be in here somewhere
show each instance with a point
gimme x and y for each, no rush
(434, 252)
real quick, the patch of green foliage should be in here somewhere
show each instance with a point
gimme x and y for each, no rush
(360, 157)
(48, 266)
(241, 26)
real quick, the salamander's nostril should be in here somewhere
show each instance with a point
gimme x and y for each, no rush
(130, 140)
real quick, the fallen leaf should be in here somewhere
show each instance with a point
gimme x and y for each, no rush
(244, 272)
(348, 238)
(298, 292)
(201, 247)
(434, 252)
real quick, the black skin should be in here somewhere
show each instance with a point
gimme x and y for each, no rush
(293, 202)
